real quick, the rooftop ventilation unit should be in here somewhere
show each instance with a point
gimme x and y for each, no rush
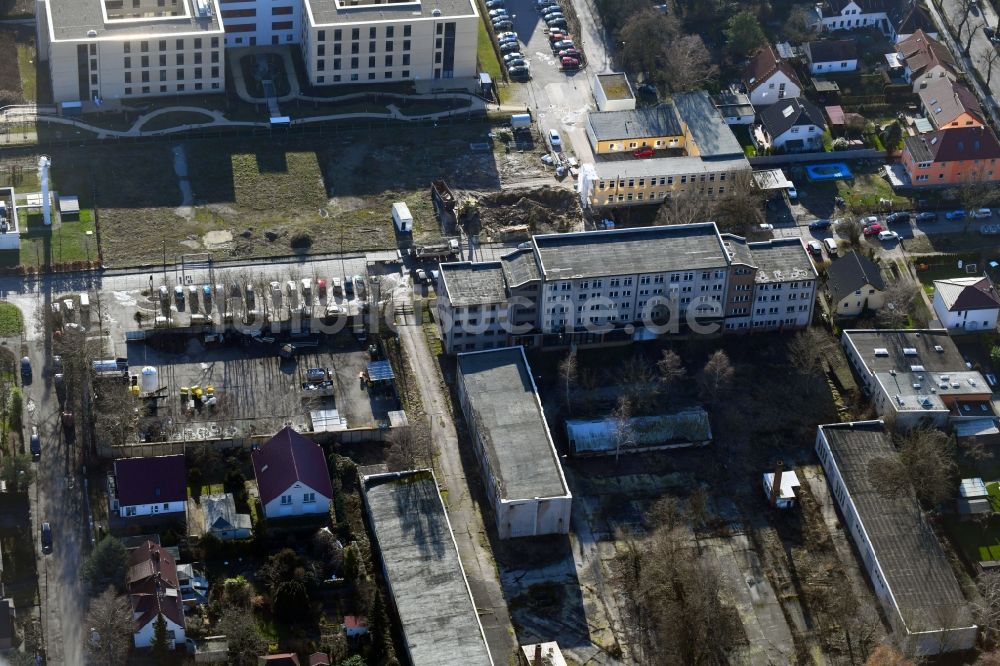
(917, 385)
(91, 33)
(881, 351)
(916, 368)
(435, 12)
(939, 349)
(910, 351)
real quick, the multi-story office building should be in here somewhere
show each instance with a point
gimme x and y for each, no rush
(616, 286)
(711, 154)
(118, 49)
(114, 49)
(345, 41)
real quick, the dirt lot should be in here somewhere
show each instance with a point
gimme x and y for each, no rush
(257, 392)
(277, 197)
(539, 211)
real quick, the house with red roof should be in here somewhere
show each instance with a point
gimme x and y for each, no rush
(925, 59)
(148, 486)
(355, 625)
(952, 156)
(154, 592)
(292, 477)
(769, 79)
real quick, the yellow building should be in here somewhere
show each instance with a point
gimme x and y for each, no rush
(657, 127)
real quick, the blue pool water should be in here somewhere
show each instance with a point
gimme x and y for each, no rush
(834, 171)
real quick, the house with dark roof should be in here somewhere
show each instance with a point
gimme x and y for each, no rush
(657, 127)
(952, 156)
(831, 56)
(899, 551)
(913, 18)
(883, 15)
(153, 592)
(769, 79)
(967, 304)
(950, 104)
(855, 284)
(925, 59)
(221, 518)
(794, 125)
(148, 486)
(292, 477)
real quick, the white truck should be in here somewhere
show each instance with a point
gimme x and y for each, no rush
(401, 216)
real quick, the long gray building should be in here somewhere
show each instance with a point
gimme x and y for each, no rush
(423, 571)
(521, 470)
(899, 551)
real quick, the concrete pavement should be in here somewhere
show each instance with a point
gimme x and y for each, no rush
(982, 52)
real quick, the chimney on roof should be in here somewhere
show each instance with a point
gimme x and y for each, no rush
(154, 555)
(537, 661)
(779, 468)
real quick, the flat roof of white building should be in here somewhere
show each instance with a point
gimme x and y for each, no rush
(423, 570)
(511, 424)
(100, 19)
(339, 12)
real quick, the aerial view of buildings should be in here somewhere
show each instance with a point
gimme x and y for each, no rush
(481, 332)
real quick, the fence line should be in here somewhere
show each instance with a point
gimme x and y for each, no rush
(835, 156)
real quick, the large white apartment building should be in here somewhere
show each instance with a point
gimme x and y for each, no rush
(118, 49)
(616, 286)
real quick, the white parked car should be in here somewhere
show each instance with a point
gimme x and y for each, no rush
(888, 235)
(766, 227)
(982, 213)
(555, 140)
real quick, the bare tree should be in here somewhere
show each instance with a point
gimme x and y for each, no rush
(987, 606)
(409, 448)
(741, 207)
(568, 376)
(925, 466)
(850, 231)
(685, 208)
(798, 26)
(624, 433)
(690, 64)
(672, 370)
(110, 622)
(716, 377)
(642, 36)
(806, 350)
(985, 61)
(245, 642)
(898, 303)
(887, 655)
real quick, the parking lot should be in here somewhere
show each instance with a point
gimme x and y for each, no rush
(256, 391)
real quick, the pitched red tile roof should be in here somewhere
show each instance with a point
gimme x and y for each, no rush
(945, 100)
(763, 65)
(954, 144)
(152, 585)
(289, 458)
(284, 659)
(150, 480)
(319, 659)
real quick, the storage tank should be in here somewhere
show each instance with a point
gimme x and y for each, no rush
(150, 380)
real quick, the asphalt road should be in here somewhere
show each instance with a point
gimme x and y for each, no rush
(982, 53)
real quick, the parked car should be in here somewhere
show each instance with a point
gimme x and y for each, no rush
(557, 36)
(570, 53)
(955, 215)
(555, 140)
(46, 538)
(648, 89)
(552, 13)
(498, 12)
(542, 3)
(926, 216)
(510, 47)
(765, 226)
(569, 63)
(815, 249)
(547, 7)
(494, 4)
(982, 213)
(888, 235)
(517, 62)
(502, 25)
(793, 193)
(873, 229)
(817, 225)
(36, 443)
(505, 35)
(519, 72)
(897, 217)
(516, 55)
(26, 369)
(556, 23)
(645, 151)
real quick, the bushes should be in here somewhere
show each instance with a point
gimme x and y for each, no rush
(301, 241)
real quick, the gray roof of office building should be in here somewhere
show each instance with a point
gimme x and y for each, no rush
(711, 134)
(631, 251)
(926, 343)
(326, 12)
(473, 283)
(911, 558)
(73, 19)
(668, 166)
(738, 250)
(520, 267)
(782, 260)
(425, 576)
(511, 423)
(645, 122)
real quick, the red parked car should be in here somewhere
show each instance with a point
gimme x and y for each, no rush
(873, 230)
(557, 36)
(570, 63)
(570, 53)
(645, 151)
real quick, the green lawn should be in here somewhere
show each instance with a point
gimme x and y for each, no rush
(43, 246)
(11, 320)
(488, 61)
(864, 192)
(29, 77)
(979, 544)
(208, 489)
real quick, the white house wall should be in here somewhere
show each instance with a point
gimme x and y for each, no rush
(768, 92)
(152, 509)
(298, 507)
(144, 636)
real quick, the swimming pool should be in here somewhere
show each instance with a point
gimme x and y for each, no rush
(834, 171)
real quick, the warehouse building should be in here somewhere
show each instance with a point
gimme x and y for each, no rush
(523, 476)
(422, 569)
(899, 551)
